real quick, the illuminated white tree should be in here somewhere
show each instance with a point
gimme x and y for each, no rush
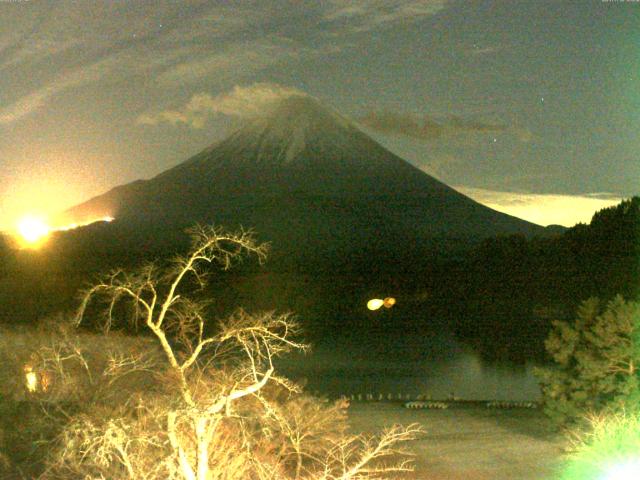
(217, 409)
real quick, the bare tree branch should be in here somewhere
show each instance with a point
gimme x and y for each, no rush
(219, 416)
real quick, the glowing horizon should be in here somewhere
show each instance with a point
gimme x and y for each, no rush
(32, 230)
(543, 209)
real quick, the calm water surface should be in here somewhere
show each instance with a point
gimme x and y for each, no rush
(439, 368)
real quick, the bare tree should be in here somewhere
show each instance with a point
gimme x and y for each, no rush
(219, 411)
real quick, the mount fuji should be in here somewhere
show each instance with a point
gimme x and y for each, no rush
(310, 181)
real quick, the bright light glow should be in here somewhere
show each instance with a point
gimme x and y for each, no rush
(31, 378)
(375, 303)
(33, 230)
(628, 470)
(45, 381)
(74, 225)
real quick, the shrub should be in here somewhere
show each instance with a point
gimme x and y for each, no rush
(609, 451)
(71, 370)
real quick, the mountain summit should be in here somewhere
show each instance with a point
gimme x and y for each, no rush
(299, 146)
(280, 136)
(305, 177)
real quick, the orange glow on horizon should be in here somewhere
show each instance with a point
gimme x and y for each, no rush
(74, 225)
(32, 231)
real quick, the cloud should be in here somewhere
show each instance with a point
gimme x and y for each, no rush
(477, 49)
(243, 102)
(132, 61)
(460, 124)
(391, 123)
(169, 46)
(365, 15)
(236, 60)
(63, 45)
(48, 31)
(425, 127)
(39, 97)
(39, 50)
(440, 164)
(543, 209)
(484, 50)
(60, 45)
(26, 104)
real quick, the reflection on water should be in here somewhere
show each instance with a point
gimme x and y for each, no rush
(444, 369)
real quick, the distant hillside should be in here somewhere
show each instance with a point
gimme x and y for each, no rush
(510, 289)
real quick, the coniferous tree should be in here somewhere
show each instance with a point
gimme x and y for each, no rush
(596, 360)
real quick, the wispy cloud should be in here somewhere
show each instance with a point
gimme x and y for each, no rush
(40, 49)
(440, 164)
(57, 45)
(69, 79)
(390, 123)
(171, 46)
(426, 127)
(484, 50)
(240, 102)
(236, 60)
(543, 209)
(57, 28)
(478, 49)
(63, 46)
(366, 15)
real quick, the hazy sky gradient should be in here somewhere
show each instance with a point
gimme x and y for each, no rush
(510, 101)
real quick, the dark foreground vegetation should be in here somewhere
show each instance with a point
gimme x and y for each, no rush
(591, 390)
(172, 396)
(177, 401)
(500, 295)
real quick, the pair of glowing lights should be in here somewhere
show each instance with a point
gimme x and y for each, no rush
(35, 381)
(377, 303)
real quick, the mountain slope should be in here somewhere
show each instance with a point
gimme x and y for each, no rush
(305, 178)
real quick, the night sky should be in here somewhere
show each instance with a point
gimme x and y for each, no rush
(529, 107)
